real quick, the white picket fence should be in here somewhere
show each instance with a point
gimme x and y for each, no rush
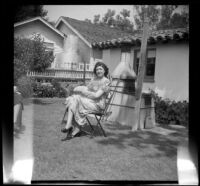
(60, 73)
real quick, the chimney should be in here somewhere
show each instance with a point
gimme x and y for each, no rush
(123, 102)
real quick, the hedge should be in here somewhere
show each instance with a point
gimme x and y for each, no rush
(170, 111)
(53, 89)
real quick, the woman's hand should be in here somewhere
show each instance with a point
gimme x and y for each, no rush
(93, 95)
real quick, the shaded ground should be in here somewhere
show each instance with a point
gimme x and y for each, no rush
(123, 155)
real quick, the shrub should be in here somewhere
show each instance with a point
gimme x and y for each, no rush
(20, 69)
(49, 90)
(170, 112)
(30, 54)
(24, 85)
(43, 90)
(53, 89)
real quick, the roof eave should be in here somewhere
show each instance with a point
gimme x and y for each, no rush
(74, 30)
(39, 18)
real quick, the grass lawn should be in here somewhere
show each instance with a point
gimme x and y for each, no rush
(122, 155)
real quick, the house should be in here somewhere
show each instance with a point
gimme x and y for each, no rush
(85, 34)
(76, 42)
(70, 39)
(53, 38)
(167, 69)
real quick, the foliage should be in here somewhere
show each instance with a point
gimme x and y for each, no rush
(120, 21)
(23, 12)
(162, 17)
(30, 54)
(42, 58)
(152, 13)
(53, 89)
(43, 90)
(168, 112)
(20, 69)
(159, 17)
(24, 85)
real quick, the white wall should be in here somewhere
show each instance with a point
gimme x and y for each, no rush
(172, 71)
(111, 58)
(85, 51)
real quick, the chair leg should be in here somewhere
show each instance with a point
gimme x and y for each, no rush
(92, 132)
(99, 123)
(90, 124)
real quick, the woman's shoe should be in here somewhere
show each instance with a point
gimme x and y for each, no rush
(76, 135)
(64, 130)
(70, 136)
(69, 132)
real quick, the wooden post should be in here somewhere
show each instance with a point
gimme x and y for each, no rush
(140, 76)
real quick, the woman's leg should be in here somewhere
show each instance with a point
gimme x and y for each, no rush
(69, 119)
(76, 128)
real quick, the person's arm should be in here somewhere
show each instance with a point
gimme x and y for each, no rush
(93, 95)
(99, 93)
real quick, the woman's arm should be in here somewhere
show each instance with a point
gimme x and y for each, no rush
(93, 95)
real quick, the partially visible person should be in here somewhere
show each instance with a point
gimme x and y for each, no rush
(18, 107)
(86, 100)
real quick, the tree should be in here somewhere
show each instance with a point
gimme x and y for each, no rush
(108, 18)
(179, 20)
(88, 20)
(152, 12)
(166, 15)
(120, 21)
(123, 22)
(96, 19)
(23, 12)
(162, 17)
(30, 54)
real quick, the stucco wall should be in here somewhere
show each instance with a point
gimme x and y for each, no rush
(97, 54)
(111, 58)
(84, 50)
(171, 69)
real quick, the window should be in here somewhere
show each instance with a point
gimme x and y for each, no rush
(150, 65)
(87, 67)
(49, 46)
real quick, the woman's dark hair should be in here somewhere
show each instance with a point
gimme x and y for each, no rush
(102, 65)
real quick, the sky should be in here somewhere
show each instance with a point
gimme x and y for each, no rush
(81, 12)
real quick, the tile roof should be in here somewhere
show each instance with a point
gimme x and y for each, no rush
(160, 36)
(101, 36)
(95, 33)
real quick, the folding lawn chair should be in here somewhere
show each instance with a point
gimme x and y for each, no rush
(99, 116)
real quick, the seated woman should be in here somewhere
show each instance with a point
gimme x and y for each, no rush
(86, 100)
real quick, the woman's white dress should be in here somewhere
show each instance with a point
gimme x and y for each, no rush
(81, 105)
